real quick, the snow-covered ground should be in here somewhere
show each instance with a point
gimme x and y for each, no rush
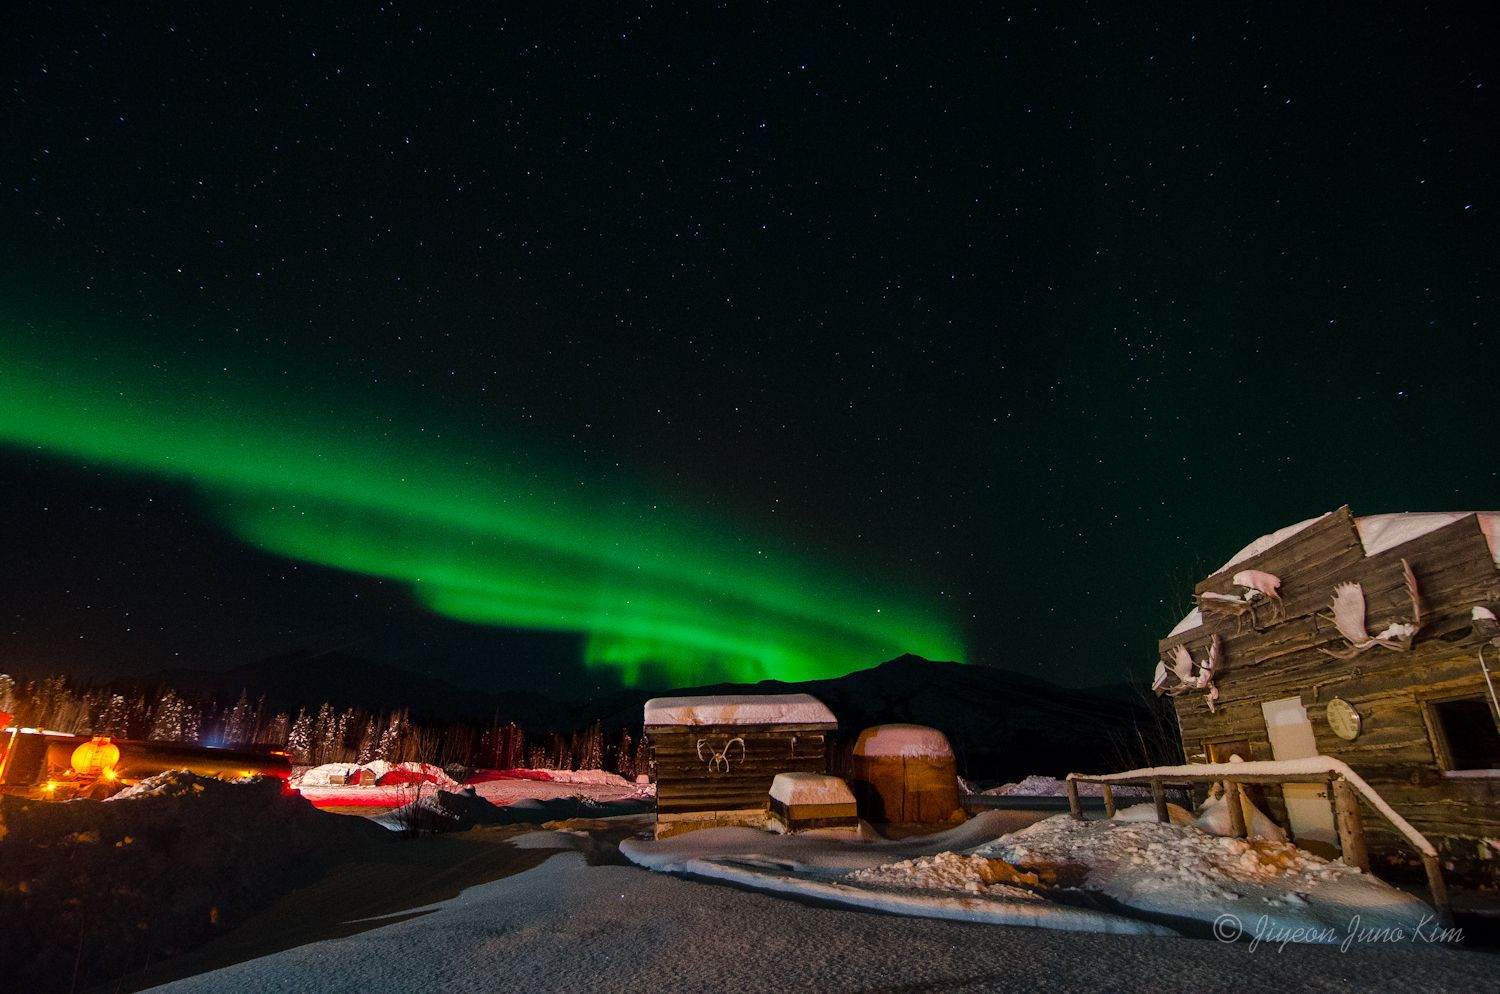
(1044, 874)
(569, 925)
(501, 788)
(1039, 786)
(1184, 873)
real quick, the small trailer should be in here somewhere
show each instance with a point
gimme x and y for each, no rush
(717, 757)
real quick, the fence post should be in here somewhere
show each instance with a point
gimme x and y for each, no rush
(1232, 795)
(1159, 795)
(1109, 800)
(1439, 889)
(1075, 807)
(1350, 825)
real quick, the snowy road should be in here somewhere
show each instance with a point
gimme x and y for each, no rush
(565, 925)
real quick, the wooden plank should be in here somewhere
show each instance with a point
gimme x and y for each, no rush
(1159, 796)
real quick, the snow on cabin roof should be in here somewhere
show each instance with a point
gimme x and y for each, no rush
(902, 740)
(739, 709)
(1194, 619)
(810, 788)
(1379, 532)
(1267, 541)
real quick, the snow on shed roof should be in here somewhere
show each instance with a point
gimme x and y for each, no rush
(810, 788)
(902, 740)
(739, 709)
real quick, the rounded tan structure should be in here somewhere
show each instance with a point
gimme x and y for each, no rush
(906, 775)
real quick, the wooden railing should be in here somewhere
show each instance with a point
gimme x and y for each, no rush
(1345, 788)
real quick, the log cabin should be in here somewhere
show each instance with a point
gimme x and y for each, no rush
(717, 757)
(1370, 640)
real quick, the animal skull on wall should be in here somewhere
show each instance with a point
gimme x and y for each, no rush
(718, 759)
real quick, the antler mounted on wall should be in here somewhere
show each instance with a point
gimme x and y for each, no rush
(1349, 618)
(1185, 674)
(718, 759)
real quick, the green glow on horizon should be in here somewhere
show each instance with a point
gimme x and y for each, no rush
(479, 534)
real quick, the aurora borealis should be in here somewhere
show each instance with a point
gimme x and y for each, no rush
(647, 586)
(538, 353)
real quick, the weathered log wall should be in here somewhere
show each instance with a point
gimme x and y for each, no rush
(689, 779)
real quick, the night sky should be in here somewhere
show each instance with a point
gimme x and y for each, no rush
(632, 344)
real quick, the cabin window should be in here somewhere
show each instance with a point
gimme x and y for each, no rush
(1219, 752)
(1465, 734)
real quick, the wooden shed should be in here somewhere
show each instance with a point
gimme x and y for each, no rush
(800, 801)
(906, 775)
(1371, 640)
(716, 757)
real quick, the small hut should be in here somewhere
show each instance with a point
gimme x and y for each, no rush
(905, 774)
(717, 757)
(800, 801)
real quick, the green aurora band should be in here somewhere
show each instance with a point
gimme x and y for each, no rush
(478, 538)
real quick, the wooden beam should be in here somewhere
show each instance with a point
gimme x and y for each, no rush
(1351, 828)
(1075, 806)
(1109, 801)
(1159, 795)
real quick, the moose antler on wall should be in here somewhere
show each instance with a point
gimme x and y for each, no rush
(1349, 618)
(1186, 674)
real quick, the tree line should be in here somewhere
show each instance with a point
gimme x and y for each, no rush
(324, 734)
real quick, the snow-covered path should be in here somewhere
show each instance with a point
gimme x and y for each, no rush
(567, 926)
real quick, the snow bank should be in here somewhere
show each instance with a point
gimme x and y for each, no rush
(389, 774)
(325, 774)
(173, 783)
(1214, 819)
(909, 741)
(810, 788)
(1275, 767)
(1039, 786)
(920, 876)
(739, 709)
(1178, 814)
(584, 776)
(1181, 872)
(159, 868)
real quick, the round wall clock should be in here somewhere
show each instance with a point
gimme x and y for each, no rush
(1343, 719)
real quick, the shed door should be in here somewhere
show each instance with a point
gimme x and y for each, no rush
(1291, 735)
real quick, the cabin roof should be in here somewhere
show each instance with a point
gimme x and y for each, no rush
(1377, 533)
(739, 709)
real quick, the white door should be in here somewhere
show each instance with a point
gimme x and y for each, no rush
(1291, 734)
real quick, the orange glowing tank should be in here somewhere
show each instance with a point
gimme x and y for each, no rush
(96, 756)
